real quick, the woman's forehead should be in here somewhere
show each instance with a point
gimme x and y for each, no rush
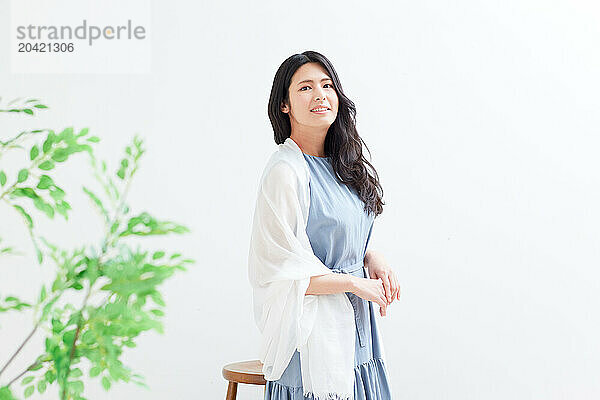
(310, 72)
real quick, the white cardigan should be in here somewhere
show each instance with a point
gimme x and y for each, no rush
(280, 264)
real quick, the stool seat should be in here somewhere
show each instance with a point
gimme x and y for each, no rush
(245, 372)
(249, 372)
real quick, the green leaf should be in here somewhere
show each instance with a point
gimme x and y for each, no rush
(41, 205)
(157, 255)
(34, 152)
(27, 380)
(6, 394)
(46, 165)
(2, 178)
(68, 337)
(83, 132)
(41, 386)
(50, 376)
(50, 139)
(57, 194)
(45, 182)
(29, 391)
(93, 139)
(62, 207)
(105, 383)
(158, 313)
(75, 373)
(145, 224)
(43, 293)
(61, 155)
(76, 386)
(6, 250)
(115, 371)
(88, 337)
(25, 192)
(24, 214)
(57, 326)
(95, 371)
(23, 174)
(20, 306)
(38, 366)
(157, 298)
(67, 133)
(28, 111)
(96, 200)
(40, 106)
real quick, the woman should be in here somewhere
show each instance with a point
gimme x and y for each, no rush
(316, 203)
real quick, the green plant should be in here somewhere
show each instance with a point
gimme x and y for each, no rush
(117, 283)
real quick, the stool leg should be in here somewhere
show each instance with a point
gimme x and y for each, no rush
(231, 391)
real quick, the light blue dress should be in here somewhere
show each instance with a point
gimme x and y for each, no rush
(339, 231)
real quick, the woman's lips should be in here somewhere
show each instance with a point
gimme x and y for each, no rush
(322, 111)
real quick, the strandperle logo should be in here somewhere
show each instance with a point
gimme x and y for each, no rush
(82, 32)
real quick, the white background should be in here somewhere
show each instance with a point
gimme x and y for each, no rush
(482, 119)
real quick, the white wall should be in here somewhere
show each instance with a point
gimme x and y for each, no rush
(482, 118)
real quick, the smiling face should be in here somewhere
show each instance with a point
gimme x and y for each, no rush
(313, 102)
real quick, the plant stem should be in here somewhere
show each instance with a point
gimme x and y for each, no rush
(23, 373)
(20, 347)
(79, 323)
(9, 189)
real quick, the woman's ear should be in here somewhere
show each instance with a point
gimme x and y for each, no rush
(284, 108)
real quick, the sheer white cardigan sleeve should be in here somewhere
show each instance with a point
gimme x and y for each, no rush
(280, 264)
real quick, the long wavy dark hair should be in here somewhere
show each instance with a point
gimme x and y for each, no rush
(342, 143)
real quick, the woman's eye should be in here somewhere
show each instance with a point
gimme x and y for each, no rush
(327, 84)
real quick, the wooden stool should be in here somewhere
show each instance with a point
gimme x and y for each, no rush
(249, 372)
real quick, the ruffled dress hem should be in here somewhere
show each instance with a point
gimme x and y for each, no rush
(370, 382)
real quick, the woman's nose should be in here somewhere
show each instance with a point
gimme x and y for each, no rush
(320, 95)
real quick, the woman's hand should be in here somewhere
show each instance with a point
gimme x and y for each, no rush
(380, 269)
(370, 290)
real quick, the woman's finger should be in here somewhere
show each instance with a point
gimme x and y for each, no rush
(392, 287)
(386, 285)
(380, 299)
(395, 285)
(381, 287)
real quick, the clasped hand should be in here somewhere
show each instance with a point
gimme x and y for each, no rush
(387, 287)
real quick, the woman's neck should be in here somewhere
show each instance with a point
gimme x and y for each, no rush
(311, 143)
